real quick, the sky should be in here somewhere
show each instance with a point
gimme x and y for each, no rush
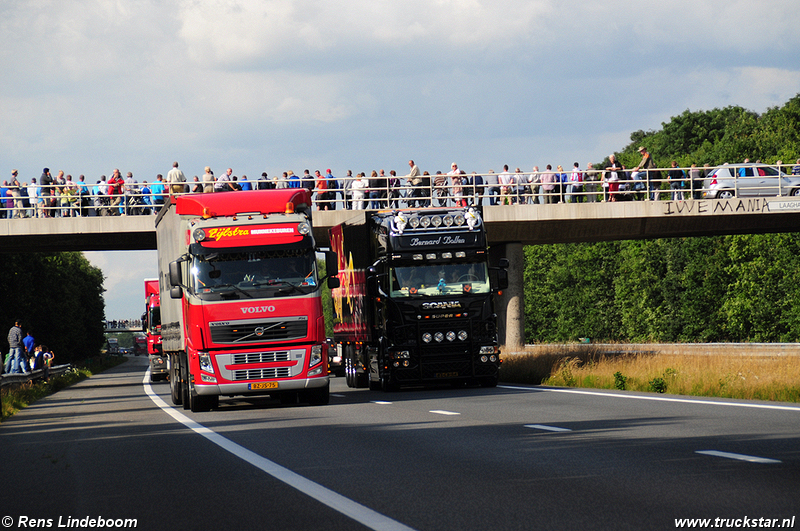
(273, 85)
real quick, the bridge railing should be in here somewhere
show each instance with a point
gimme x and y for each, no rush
(388, 191)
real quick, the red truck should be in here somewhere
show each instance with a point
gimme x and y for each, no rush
(241, 311)
(151, 323)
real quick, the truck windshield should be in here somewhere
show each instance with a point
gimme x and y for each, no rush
(258, 274)
(154, 321)
(439, 279)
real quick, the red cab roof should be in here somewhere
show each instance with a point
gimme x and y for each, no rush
(230, 203)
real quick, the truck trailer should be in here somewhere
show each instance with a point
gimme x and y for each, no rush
(415, 304)
(241, 312)
(151, 324)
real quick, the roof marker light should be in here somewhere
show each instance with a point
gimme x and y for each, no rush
(289, 208)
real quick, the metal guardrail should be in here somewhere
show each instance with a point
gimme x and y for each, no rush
(17, 379)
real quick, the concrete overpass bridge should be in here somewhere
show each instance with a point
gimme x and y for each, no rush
(509, 228)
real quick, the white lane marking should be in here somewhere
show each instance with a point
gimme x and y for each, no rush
(740, 457)
(546, 428)
(381, 402)
(656, 398)
(346, 506)
(442, 412)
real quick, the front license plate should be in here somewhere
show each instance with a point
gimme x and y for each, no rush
(446, 375)
(263, 385)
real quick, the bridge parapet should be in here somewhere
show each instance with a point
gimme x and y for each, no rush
(529, 224)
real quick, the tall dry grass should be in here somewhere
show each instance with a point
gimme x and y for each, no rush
(748, 377)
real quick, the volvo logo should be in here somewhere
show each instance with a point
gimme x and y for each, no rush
(259, 331)
(441, 305)
(257, 309)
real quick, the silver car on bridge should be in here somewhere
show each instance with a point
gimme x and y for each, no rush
(751, 180)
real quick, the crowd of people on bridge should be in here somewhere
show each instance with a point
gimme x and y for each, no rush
(63, 196)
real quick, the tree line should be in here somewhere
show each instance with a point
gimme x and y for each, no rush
(58, 297)
(726, 288)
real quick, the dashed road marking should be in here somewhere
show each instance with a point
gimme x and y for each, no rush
(739, 457)
(546, 428)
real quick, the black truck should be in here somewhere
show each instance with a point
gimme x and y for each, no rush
(415, 301)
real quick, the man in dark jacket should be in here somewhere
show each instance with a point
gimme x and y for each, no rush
(19, 360)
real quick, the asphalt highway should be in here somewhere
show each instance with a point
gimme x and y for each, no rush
(510, 458)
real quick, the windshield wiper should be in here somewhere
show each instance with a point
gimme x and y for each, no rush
(234, 286)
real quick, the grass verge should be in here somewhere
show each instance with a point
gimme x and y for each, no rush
(19, 397)
(774, 378)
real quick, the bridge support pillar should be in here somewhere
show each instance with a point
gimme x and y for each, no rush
(510, 306)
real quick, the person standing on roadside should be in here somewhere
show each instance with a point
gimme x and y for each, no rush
(29, 343)
(18, 360)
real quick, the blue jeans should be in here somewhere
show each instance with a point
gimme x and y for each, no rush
(375, 204)
(18, 361)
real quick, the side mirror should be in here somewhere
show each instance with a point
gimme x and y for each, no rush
(502, 279)
(334, 282)
(504, 263)
(175, 292)
(175, 274)
(331, 264)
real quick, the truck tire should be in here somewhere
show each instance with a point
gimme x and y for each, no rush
(357, 380)
(319, 396)
(490, 381)
(184, 379)
(202, 403)
(175, 381)
(386, 384)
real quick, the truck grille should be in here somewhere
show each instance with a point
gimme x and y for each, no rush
(260, 357)
(259, 331)
(262, 374)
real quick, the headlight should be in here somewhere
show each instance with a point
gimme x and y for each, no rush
(448, 220)
(303, 228)
(436, 221)
(427, 337)
(487, 350)
(425, 222)
(199, 235)
(451, 336)
(413, 222)
(462, 335)
(439, 337)
(316, 356)
(459, 219)
(205, 362)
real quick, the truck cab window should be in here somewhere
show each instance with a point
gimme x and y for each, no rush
(242, 274)
(439, 279)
